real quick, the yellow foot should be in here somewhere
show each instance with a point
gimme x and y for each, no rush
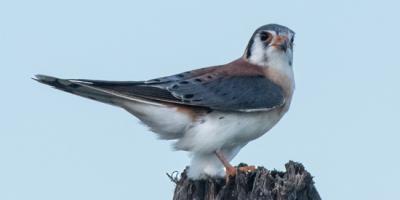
(251, 168)
(232, 171)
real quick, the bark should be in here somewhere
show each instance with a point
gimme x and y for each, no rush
(294, 184)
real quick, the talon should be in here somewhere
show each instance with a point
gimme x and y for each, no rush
(247, 169)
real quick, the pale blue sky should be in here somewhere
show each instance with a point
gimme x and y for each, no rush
(343, 124)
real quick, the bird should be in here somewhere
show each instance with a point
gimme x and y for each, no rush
(210, 112)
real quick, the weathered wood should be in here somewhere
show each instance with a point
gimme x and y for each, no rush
(294, 184)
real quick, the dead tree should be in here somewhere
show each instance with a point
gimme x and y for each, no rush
(294, 184)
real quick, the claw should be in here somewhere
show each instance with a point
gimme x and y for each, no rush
(247, 169)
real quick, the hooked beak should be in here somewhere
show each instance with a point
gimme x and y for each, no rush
(281, 42)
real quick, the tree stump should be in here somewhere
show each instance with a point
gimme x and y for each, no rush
(294, 184)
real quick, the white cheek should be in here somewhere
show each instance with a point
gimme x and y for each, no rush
(258, 53)
(267, 56)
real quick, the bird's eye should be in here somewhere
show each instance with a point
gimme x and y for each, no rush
(265, 36)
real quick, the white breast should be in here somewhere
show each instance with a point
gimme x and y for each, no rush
(219, 130)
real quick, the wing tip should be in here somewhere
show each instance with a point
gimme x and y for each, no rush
(44, 78)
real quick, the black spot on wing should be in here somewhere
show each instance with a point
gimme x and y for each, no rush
(231, 93)
(188, 96)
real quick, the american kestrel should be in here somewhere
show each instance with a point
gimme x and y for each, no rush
(210, 112)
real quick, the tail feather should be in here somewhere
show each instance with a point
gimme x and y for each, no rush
(80, 88)
(149, 112)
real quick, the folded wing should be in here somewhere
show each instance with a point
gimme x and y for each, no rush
(209, 90)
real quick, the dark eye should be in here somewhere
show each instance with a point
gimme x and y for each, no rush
(292, 40)
(265, 36)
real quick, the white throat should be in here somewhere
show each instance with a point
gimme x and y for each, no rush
(265, 56)
(272, 58)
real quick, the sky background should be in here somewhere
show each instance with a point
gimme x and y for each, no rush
(343, 124)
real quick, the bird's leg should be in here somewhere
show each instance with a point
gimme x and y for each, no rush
(230, 170)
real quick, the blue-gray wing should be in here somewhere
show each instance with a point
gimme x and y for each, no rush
(229, 93)
(208, 90)
(232, 93)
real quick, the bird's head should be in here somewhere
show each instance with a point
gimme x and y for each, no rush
(271, 43)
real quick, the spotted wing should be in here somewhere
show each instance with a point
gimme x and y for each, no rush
(213, 87)
(230, 93)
